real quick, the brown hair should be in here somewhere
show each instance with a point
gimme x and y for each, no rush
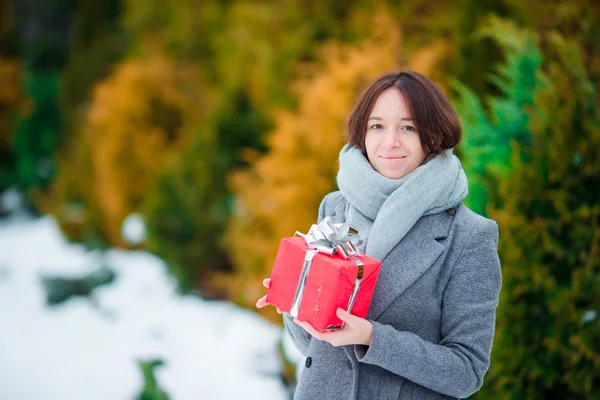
(435, 120)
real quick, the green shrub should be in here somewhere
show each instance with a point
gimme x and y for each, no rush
(540, 148)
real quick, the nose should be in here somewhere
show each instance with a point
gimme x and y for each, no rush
(392, 140)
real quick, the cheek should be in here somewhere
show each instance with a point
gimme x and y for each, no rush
(370, 143)
(415, 147)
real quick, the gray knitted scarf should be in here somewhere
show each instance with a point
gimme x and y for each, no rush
(384, 210)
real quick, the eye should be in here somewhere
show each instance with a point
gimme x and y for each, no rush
(376, 126)
(409, 128)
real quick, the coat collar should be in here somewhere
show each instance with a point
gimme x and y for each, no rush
(411, 257)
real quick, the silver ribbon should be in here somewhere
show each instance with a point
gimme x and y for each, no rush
(328, 238)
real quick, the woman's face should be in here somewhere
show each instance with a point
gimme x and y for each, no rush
(392, 141)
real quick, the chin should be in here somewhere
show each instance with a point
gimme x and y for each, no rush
(393, 174)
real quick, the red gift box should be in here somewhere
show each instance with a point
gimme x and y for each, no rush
(329, 284)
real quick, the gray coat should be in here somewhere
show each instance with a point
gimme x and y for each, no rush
(433, 315)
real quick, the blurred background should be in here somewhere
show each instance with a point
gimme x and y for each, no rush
(154, 153)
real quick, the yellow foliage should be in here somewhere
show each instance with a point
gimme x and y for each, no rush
(137, 118)
(10, 99)
(128, 143)
(281, 192)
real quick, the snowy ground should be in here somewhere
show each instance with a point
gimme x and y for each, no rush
(88, 348)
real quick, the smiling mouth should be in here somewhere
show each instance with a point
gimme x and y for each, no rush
(392, 157)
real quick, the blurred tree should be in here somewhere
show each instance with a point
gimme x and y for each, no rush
(281, 192)
(489, 135)
(186, 211)
(476, 52)
(244, 54)
(547, 343)
(133, 125)
(43, 31)
(243, 74)
(97, 42)
(37, 135)
(12, 98)
(136, 119)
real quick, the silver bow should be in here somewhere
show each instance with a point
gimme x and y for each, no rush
(330, 238)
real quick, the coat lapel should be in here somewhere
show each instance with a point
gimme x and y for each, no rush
(411, 257)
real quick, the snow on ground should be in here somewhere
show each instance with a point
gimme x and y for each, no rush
(87, 348)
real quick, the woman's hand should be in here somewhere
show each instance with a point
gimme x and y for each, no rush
(262, 302)
(355, 331)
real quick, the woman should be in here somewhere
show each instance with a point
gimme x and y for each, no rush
(430, 326)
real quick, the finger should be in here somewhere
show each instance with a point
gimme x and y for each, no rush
(346, 316)
(335, 338)
(267, 282)
(262, 302)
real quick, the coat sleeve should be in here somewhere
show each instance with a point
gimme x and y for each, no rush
(456, 366)
(299, 336)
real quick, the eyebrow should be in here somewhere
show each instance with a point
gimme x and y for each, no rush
(381, 119)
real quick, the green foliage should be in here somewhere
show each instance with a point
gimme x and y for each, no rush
(60, 289)
(11, 94)
(186, 211)
(477, 55)
(11, 100)
(44, 28)
(189, 204)
(490, 135)
(44, 33)
(36, 138)
(548, 337)
(151, 389)
(98, 42)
